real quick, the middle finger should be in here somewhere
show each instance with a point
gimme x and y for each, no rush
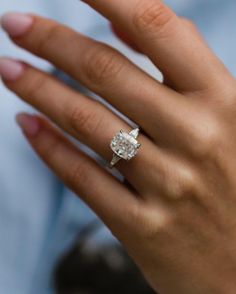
(103, 70)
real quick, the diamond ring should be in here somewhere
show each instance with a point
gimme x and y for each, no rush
(124, 145)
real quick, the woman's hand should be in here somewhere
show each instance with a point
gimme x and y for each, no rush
(179, 220)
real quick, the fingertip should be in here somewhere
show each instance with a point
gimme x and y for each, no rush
(10, 69)
(29, 124)
(16, 24)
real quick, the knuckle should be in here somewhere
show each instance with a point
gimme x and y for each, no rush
(49, 150)
(47, 38)
(101, 65)
(35, 87)
(154, 227)
(152, 17)
(207, 142)
(84, 120)
(184, 186)
(77, 175)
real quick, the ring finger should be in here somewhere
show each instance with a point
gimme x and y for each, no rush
(85, 119)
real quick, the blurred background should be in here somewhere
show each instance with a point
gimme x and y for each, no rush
(50, 242)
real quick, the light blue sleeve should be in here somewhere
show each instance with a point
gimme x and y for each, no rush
(36, 219)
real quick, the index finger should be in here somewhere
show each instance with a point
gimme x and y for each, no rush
(181, 55)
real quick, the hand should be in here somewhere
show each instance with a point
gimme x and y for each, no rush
(178, 221)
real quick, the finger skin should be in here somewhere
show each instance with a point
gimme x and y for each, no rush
(157, 31)
(111, 200)
(101, 69)
(85, 119)
(122, 36)
(131, 44)
(94, 125)
(187, 243)
(125, 38)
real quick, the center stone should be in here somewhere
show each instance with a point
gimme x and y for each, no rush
(124, 145)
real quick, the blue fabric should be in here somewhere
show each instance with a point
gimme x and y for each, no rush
(39, 217)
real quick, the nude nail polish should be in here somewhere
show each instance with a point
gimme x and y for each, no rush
(10, 69)
(29, 124)
(16, 24)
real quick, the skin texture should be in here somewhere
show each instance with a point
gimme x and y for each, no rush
(178, 220)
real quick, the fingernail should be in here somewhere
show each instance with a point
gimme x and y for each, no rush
(16, 24)
(10, 69)
(29, 124)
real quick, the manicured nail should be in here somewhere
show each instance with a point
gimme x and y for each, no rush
(16, 24)
(29, 124)
(10, 69)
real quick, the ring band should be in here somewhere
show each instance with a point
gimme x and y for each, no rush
(124, 146)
